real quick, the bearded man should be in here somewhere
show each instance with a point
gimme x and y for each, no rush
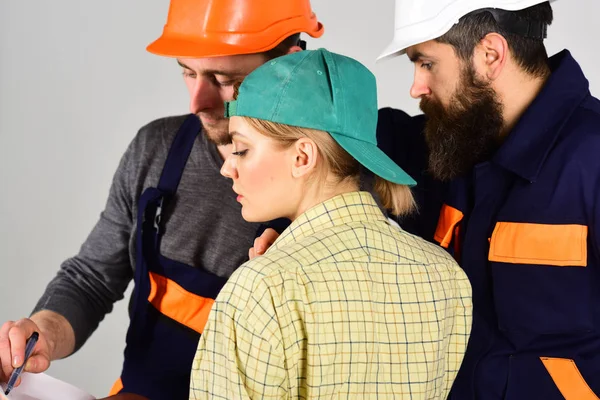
(509, 182)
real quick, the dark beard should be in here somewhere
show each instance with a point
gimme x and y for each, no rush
(465, 133)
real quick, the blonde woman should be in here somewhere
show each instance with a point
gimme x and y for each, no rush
(343, 304)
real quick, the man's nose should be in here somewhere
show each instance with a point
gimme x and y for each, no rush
(419, 87)
(203, 96)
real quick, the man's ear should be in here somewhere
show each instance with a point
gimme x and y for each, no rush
(304, 155)
(490, 56)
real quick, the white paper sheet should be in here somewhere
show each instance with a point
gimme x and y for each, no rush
(44, 387)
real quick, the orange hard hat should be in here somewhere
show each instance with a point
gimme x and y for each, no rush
(210, 28)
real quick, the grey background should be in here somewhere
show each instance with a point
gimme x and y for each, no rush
(75, 85)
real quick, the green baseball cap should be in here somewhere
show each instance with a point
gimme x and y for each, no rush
(320, 90)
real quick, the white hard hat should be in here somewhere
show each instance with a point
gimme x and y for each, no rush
(418, 21)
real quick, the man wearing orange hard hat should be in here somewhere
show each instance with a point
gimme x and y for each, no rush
(171, 222)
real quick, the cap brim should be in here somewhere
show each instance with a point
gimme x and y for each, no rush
(375, 160)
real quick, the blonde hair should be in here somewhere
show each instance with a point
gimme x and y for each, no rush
(396, 198)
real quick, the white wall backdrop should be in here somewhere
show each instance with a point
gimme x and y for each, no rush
(75, 85)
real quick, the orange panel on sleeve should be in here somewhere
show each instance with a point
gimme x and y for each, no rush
(449, 218)
(568, 379)
(522, 243)
(177, 303)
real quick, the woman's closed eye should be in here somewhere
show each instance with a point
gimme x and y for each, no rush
(240, 153)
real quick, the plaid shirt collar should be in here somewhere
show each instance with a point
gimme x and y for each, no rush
(339, 210)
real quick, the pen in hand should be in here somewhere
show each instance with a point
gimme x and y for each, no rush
(31, 342)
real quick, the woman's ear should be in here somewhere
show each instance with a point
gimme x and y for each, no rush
(304, 157)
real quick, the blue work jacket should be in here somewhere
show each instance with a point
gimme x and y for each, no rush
(525, 227)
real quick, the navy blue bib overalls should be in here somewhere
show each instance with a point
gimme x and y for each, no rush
(171, 300)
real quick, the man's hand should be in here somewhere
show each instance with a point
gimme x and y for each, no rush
(263, 242)
(13, 336)
(56, 340)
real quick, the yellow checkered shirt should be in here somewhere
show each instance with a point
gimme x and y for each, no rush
(343, 305)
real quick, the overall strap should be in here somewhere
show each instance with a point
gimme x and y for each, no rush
(178, 154)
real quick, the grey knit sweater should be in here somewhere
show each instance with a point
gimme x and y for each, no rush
(204, 228)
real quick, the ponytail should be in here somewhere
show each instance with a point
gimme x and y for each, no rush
(394, 197)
